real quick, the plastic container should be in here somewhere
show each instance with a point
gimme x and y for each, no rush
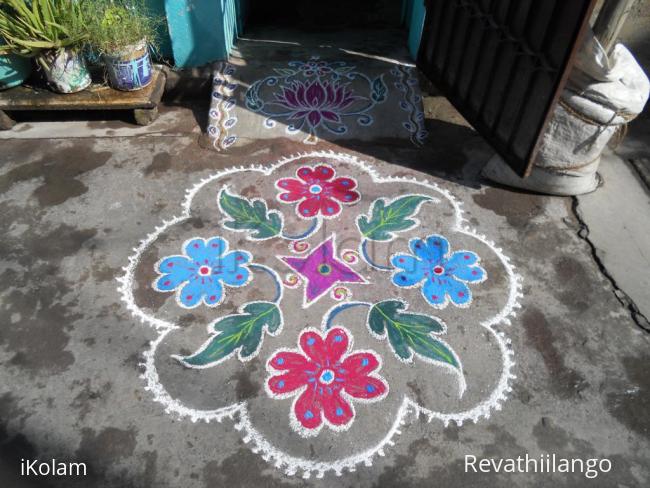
(131, 68)
(14, 70)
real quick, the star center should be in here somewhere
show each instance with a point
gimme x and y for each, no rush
(321, 270)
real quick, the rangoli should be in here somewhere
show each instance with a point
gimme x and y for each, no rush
(315, 99)
(353, 302)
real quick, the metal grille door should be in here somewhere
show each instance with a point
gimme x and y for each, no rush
(503, 64)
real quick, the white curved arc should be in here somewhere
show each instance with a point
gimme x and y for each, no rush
(279, 458)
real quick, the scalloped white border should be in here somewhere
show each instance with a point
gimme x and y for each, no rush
(281, 460)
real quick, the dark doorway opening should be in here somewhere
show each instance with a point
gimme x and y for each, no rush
(325, 14)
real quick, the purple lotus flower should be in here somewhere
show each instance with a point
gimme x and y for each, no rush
(316, 101)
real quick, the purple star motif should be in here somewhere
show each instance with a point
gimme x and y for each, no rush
(322, 270)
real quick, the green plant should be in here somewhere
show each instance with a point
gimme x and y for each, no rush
(116, 24)
(31, 26)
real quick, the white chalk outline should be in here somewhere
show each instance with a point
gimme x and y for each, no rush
(281, 460)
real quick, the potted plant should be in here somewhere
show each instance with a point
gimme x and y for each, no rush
(122, 31)
(14, 70)
(52, 31)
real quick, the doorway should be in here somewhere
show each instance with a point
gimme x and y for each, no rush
(325, 16)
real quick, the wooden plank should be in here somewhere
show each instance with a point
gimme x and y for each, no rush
(96, 97)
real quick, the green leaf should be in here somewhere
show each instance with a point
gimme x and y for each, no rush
(253, 100)
(410, 332)
(385, 221)
(254, 217)
(379, 90)
(241, 332)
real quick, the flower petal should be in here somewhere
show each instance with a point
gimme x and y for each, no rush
(359, 365)
(289, 361)
(236, 276)
(315, 95)
(323, 172)
(329, 207)
(330, 116)
(337, 410)
(347, 197)
(408, 263)
(470, 274)
(413, 270)
(368, 387)
(314, 347)
(191, 293)
(307, 411)
(170, 281)
(434, 292)
(309, 207)
(286, 383)
(291, 185)
(435, 248)
(213, 291)
(314, 118)
(458, 292)
(175, 269)
(343, 184)
(231, 265)
(336, 345)
(462, 258)
(196, 250)
(290, 98)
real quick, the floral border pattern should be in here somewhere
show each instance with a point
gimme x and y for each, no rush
(221, 122)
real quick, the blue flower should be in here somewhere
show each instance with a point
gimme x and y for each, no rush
(443, 277)
(198, 275)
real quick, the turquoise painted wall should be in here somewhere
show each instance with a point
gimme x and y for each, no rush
(414, 12)
(202, 31)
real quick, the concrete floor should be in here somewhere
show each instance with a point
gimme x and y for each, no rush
(76, 197)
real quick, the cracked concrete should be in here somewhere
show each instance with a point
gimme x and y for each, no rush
(72, 208)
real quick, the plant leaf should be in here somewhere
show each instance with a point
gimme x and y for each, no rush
(379, 89)
(410, 332)
(253, 100)
(254, 217)
(385, 221)
(243, 332)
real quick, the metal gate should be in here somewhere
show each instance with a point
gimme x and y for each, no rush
(503, 64)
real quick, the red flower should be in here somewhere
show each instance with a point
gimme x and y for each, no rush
(324, 378)
(318, 191)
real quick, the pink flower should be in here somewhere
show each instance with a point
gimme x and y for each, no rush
(324, 378)
(316, 101)
(318, 191)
